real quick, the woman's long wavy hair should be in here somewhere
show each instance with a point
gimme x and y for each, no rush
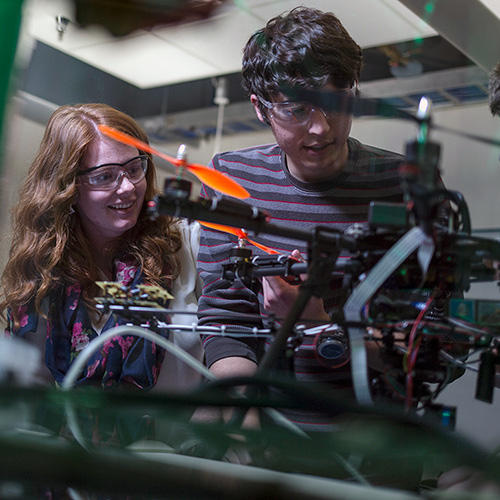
(48, 247)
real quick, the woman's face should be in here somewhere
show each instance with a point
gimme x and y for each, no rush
(107, 214)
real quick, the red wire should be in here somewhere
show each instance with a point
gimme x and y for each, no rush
(411, 355)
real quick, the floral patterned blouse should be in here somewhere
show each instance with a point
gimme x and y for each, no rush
(128, 358)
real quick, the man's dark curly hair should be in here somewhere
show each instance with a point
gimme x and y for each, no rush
(306, 48)
(494, 90)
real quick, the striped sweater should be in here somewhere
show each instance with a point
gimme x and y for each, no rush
(370, 174)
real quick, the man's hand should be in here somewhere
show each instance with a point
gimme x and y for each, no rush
(279, 296)
(235, 366)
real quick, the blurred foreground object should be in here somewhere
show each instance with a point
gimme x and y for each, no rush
(10, 18)
(19, 362)
(124, 16)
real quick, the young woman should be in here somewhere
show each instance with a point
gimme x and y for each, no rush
(81, 218)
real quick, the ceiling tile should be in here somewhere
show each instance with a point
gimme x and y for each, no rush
(218, 41)
(493, 5)
(383, 21)
(211, 47)
(146, 61)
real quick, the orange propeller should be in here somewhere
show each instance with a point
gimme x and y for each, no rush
(289, 278)
(209, 176)
(242, 235)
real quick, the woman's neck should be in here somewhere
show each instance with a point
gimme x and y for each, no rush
(103, 261)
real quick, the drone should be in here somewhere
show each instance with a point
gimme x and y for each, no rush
(415, 308)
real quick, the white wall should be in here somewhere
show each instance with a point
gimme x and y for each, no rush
(469, 167)
(22, 138)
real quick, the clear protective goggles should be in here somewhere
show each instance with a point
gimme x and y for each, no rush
(300, 113)
(109, 175)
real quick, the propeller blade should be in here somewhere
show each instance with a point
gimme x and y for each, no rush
(225, 229)
(132, 141)
(362, 106)
(240, 234)
(346, 102)
(218, 181)
(264, 248)
(213, 178)
(472, 137)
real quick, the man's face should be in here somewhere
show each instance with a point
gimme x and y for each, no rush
(315, 149)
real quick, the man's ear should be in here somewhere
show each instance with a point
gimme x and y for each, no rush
(255, 102)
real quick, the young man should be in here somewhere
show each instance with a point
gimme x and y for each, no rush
(315, 174)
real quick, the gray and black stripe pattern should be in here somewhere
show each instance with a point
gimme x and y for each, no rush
(371, 174)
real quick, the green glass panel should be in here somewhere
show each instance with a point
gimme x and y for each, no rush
(10, 20)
